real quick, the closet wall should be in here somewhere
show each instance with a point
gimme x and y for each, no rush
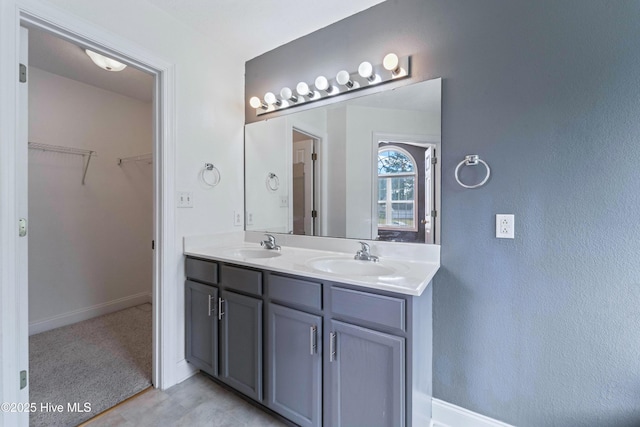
(89, 245)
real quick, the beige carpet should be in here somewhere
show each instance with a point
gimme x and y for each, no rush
(99, 362)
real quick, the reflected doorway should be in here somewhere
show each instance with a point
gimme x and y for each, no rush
(405, 201)
(304, 157)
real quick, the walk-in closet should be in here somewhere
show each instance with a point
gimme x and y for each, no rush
(90, 193)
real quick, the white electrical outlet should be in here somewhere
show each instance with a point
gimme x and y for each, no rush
(249, 218)
(237, 218)
(284, 201)
(185, 199)
(505, 225)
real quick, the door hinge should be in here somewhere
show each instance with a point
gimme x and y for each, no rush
(22, 227)
(314, 213)
(23, 379)
(153, 244)
(434, 213)
(434, 160)
(314, 156)
(23, 73)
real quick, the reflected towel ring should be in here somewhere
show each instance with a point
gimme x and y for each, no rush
(272, 181)
(472, 160)
(214, 174)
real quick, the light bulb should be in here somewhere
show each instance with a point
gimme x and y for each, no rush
(366, 71)
(104, 62)
(303, 90)
(344, 78)
(322, 83)
(271, 99)
(287, 94)
(255, 102)
(391, 63)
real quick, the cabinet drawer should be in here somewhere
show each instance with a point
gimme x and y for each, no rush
(375, 309)
(203, 271)
(295, 291)
(241, 279)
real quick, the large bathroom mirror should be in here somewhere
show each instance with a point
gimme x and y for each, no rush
(363, 168)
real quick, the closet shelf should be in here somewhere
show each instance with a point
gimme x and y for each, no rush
(147, 158)
(66, 150)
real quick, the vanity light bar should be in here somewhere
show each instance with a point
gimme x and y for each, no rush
(392, 68)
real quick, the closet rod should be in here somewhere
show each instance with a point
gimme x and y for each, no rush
(147, 157)
(66, 150)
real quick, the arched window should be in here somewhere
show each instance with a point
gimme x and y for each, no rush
(397, 185)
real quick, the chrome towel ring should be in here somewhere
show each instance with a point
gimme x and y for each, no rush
(472, 160)
(212, 172)
(272, 181)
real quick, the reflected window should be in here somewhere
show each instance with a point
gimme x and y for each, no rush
(397, 184)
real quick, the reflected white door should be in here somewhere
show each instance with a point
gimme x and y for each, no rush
(302, 199)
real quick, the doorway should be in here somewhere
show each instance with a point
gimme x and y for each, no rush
(90, 196)
(303, 194)
(405, 200)
(13, 166)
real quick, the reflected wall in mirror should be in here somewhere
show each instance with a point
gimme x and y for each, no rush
(363, 168)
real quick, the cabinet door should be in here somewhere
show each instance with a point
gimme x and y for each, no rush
(367, 370)
(241, 343)
(202, 326)
(294, 354)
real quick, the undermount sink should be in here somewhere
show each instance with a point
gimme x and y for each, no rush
(347, 266)
(257, 253)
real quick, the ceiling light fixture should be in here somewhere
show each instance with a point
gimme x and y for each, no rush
(104, 62)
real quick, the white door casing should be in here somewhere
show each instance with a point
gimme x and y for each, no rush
(13, 194)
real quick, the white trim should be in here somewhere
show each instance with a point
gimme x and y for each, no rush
(445, 414)
(86, 313)
(166, 260)
(184, 370)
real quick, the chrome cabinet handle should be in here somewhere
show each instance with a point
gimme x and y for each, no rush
(332, 346)
(220, 312)
(312, 340)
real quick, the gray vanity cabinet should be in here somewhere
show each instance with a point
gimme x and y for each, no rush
(335, 354)
(202, 326)
(294, 354)
(367, 377)
(241, 343)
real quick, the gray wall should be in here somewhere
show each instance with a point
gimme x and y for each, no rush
(545, 329)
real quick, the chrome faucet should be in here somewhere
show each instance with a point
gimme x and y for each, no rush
(364, 254)
(270, 243)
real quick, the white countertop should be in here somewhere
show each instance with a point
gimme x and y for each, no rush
(412, 278)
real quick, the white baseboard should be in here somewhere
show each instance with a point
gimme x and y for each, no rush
(184, 370)
(79, 315)
(445, 414)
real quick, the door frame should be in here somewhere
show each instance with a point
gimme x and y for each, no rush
(320, 140)
(418, 140)
(13, 264)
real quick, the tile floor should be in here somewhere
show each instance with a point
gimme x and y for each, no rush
(195, 402)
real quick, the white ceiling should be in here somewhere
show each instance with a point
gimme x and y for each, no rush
(254, 27)
(60, 57)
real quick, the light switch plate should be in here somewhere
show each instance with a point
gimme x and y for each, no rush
(505, 225)
(185, 199)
